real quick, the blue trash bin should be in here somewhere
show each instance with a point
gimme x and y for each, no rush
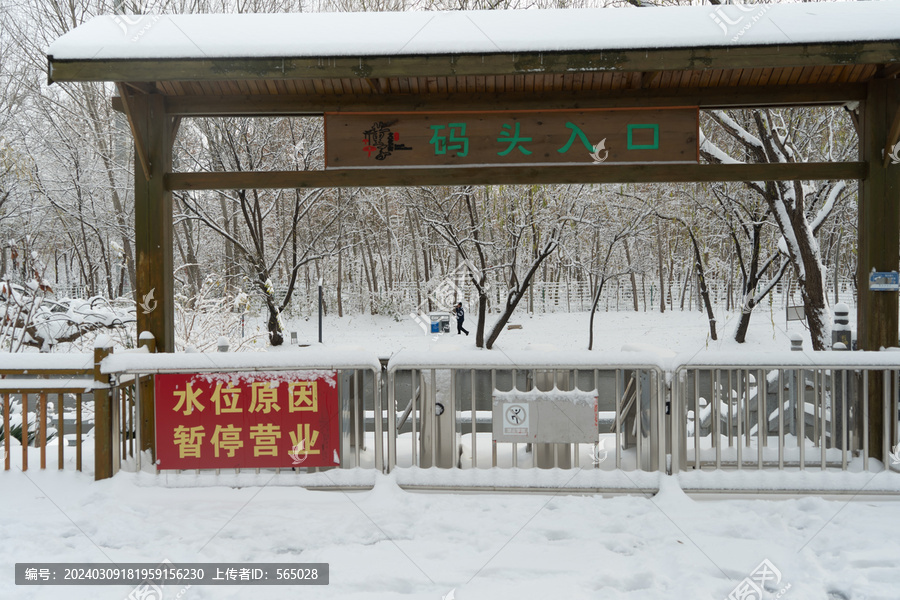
(435, 322)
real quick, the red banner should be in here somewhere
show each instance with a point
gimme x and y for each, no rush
(247, 420)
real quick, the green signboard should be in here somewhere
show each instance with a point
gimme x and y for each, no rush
(446, 139)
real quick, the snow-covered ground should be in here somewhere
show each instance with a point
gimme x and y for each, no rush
(391, 543)
(678, 331)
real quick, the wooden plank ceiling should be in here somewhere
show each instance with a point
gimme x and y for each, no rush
(598, 81)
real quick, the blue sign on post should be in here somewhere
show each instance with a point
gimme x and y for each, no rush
(884, 281)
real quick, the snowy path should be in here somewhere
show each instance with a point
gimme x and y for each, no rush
(389, 543)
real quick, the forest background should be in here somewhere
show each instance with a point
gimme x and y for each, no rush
(67, 220)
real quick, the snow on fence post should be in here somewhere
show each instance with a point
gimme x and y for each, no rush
(104, 419)
(147, 395)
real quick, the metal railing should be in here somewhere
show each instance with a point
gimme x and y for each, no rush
(575, 295)
(447, 409)
(358, 383)
(786, 410)
(714, 410)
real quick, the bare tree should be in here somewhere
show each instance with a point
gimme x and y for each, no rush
(799, 209)
(489, 233)
(747, 222)
(264, 244)
(609, 224)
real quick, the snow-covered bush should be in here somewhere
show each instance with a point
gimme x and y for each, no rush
(31, 318)
(201, 319)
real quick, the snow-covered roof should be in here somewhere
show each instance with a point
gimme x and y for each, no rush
(210, 36)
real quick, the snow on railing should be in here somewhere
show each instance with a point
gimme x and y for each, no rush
(33, 422)
(713, 410)
(356, 391)
(442, 392)
(783, 410)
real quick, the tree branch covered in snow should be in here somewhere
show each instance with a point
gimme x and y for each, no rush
(29, 319)
(799, 208)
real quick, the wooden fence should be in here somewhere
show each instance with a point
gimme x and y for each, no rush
(84, 398)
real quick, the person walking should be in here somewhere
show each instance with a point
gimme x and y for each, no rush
(460, 317)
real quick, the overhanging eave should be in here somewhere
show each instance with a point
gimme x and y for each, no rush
(460, 65)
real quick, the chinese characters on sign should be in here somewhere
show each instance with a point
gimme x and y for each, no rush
(245, 420)
(610, 136)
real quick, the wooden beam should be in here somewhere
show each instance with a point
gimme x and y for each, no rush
(148, 404)
(309, 105)
(460, 65)
(513, 175)
(139, 145)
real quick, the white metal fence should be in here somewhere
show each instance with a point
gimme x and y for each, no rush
(712, 411)
(444, 418)
(567, 296)
(783, 410)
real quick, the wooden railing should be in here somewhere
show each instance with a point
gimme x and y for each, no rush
(29, 380)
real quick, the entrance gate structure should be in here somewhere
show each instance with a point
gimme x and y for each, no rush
(525, 66)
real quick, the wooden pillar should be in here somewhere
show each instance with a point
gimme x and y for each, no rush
(148, 404)
(879, 242)
(154, 133)
(103, 420)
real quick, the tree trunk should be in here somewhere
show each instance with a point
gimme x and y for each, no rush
(837, 267)
(514, 297)
(662, 282)
(340, 280)
(414, 246)
(704, 292)
(276, 335)
(593, 312)
(634, 291)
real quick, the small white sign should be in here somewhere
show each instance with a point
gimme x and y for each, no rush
(515, 418)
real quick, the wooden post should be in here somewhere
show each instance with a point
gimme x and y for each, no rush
(879, 239)
(42, 428)
(24, 431)
(6, 424)
(148, 404)
(153, 218)
(103, 422)
(61, 434)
